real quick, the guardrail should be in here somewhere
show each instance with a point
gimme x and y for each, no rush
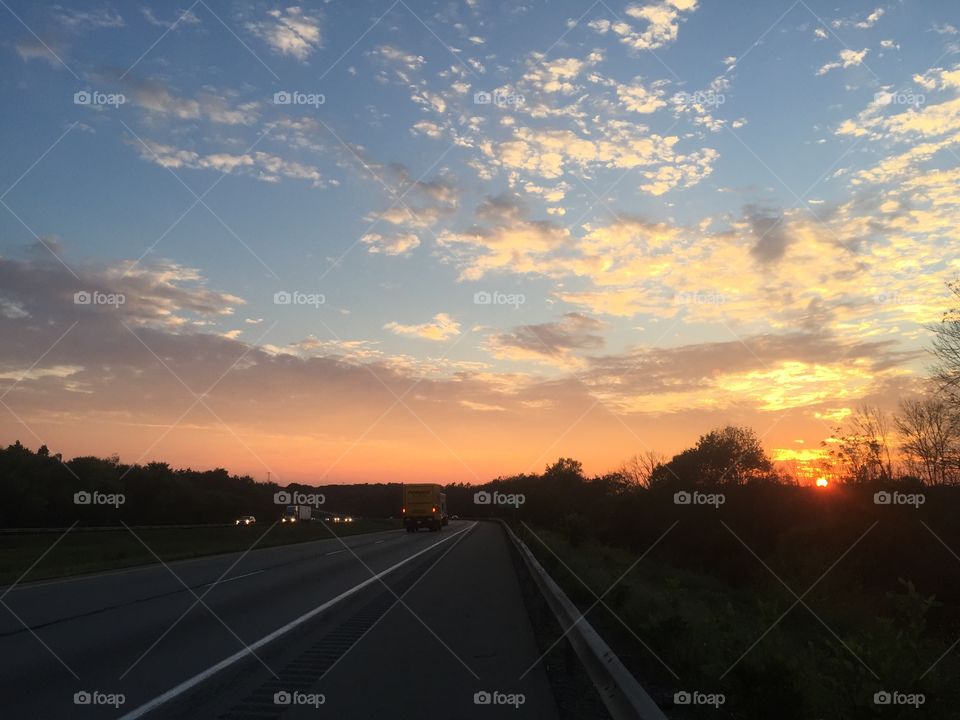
(624, 697)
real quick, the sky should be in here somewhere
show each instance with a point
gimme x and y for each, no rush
(414, 240)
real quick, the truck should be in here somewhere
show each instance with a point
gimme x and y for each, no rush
(424, 505)
(297, 513)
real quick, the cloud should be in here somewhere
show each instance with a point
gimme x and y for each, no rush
(289, 32)
(181, 18)
(396, 244)
(443, 327)
(79, 20)
(556, 343)
(848, 58)
(49, 49)
(261, 165)
(518, 247)
(662, 24)
(394, 55)
(157, 98)
(770, 231)
(871, 19)
(771, 372)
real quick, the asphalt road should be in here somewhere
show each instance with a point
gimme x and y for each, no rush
(419, 642)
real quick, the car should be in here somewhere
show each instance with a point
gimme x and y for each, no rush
(245, 520)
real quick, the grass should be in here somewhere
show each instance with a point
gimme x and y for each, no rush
(698, 626)
(84, 552)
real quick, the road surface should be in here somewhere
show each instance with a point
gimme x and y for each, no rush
(235, 636)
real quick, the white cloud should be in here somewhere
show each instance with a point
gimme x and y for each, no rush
(848, 58)
(442, 327)
(289, 32)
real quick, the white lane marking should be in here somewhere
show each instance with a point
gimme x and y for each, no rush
(228, 661)
(231, 579)
(378, 542)
(334, 552)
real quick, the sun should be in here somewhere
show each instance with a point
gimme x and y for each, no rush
(822, 482)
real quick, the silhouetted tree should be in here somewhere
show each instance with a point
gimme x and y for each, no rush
(727, 456)
(930, 443)
(946, 349)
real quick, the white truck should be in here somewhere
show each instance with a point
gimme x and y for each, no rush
(297, 513)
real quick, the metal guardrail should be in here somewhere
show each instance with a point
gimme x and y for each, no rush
(624, 697)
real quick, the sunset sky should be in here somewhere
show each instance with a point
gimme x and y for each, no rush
(683, 214)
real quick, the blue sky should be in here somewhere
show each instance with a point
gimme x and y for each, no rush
(752, 195)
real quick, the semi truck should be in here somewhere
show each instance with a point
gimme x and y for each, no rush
(424, 505)
(297, 513)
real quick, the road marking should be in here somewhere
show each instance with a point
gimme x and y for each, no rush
(235, 577)
(240, 654)
(334, 552)
(378, 542)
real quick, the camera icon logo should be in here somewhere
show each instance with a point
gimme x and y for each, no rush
(82, 97)
(682, 498)
(282, 298)
(482, 697)
(282, 98)
(682, 698)
(282, 498)
(882, 497)
(482, 98)
(282, 697)
(82, 298)
(482, 498)
(482, 297)
(882, 698)
(82, 698)
(82, 498)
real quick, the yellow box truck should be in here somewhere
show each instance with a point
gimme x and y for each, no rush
(424, 505)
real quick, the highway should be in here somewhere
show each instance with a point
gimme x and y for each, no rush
(236, 636)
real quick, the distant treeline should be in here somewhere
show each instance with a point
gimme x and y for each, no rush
(39, 489)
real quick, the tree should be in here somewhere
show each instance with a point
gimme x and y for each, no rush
(639, 468)
(930, 439)
(862, 449)
(728, 456)
(946, 349)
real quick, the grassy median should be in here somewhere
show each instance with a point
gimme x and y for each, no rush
(91, 551)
